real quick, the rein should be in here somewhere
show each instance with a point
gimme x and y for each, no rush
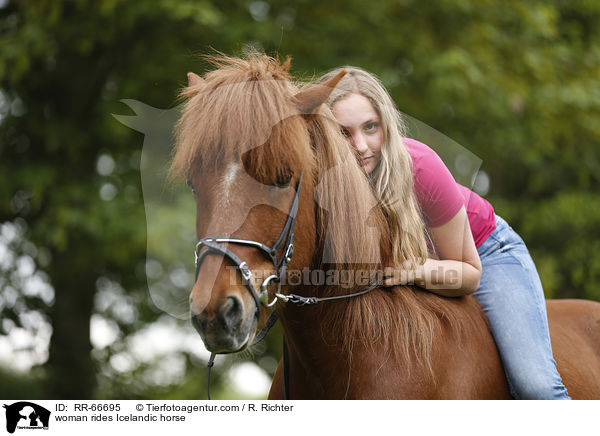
(299, 300)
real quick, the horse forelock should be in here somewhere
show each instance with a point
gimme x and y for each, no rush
(243, 111)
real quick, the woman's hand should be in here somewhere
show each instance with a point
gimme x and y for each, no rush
(405, 275)
(458, 271)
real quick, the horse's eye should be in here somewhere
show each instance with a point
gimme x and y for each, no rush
(283, 181)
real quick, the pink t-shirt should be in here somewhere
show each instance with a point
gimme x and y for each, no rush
(440, 197)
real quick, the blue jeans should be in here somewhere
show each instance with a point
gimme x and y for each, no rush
(512, 297)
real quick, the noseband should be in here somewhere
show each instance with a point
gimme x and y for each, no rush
(214, 246)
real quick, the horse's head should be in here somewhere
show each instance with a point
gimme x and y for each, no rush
(253, 147)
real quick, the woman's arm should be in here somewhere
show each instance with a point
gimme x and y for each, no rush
(458, 270)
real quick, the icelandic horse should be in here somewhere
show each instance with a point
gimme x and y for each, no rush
(265, 159)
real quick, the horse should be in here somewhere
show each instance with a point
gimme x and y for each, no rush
(279, 192)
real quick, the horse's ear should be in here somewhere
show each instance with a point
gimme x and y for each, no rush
(313, 97)
(194, 79)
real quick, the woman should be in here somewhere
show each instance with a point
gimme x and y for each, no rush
(476, 251)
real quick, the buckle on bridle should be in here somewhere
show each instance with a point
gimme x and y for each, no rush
(246, 273)
(264, 292)
(289, 252)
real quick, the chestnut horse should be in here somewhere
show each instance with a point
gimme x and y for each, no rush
(279, 193)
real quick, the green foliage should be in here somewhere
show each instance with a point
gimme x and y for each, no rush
(21, 386)
(514, 82)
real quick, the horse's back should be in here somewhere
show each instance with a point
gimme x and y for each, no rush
(470, 366)
(575, 334)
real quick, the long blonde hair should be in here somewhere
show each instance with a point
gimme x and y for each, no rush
(392, 179)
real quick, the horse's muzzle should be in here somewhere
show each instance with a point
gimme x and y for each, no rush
(226, 329)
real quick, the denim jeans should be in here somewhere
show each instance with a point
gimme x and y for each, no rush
(512, 298)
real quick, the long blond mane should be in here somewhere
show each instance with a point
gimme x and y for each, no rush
(245, 109)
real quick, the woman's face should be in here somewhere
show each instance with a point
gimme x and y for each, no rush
(361, 124)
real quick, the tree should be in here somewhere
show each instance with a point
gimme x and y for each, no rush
(60, 78)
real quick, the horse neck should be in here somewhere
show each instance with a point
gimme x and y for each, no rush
(321, 365)
(312, 352)
(315, 360)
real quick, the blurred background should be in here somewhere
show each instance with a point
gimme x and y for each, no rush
(515, 83)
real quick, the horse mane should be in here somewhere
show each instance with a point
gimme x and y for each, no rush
(242, 109)
(402, 323)
(245, 109)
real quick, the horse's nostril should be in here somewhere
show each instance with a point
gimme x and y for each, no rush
(232, 312)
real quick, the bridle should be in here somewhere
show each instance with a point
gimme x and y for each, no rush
(261, 298)
(214, 245)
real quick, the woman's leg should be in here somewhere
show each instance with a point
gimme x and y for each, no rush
(512, 297)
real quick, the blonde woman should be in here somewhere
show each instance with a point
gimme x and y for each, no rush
(476, 251)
